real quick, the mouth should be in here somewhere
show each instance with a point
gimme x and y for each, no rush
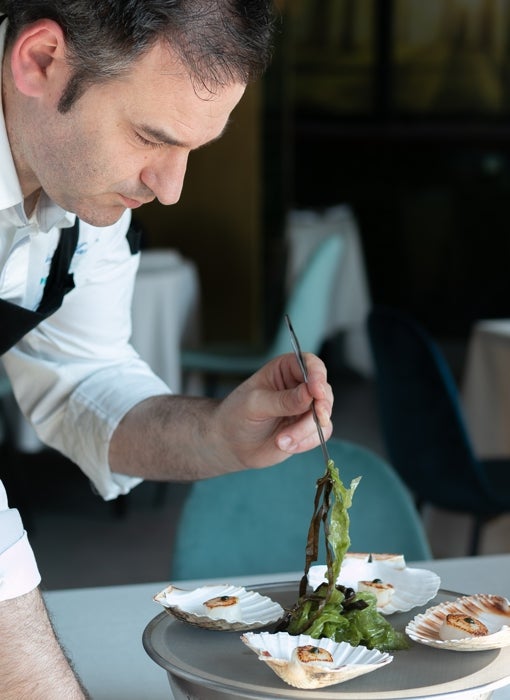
(134, 203)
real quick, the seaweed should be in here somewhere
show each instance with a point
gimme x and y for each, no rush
(333, 610)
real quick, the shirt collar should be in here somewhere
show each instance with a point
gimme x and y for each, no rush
(47, 213)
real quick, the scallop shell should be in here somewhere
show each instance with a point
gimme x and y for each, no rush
(188, 605)
(492, 610)
(348, 662)
(397, 561)
(413, 587)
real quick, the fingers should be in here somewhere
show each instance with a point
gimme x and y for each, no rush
(320, 390)
(297, 400)
(269, 416)
(302, 435)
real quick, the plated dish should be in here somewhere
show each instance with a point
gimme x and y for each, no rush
(305, 662)
(220, 607)
(215, 665)
(410, 587)
(478, 622)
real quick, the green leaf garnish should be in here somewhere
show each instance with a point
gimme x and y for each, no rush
(332, 610)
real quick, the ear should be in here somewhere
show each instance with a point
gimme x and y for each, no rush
(38, 58)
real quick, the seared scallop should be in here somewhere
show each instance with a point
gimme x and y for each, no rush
(223, 607)
(461, 626)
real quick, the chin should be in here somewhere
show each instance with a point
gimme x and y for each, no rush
(101, 218)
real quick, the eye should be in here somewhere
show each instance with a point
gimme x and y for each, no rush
(148, 144)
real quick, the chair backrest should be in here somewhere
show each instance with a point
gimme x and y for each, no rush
(309, 302)
(256, 521)
(421, 416)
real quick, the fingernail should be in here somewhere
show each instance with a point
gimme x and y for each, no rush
(286, 443)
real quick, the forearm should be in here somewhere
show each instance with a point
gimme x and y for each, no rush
(261, 423)
(171, 438)
(32, 663)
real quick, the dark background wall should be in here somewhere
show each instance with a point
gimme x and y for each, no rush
(400, 108)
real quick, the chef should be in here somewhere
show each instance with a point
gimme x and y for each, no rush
(102, 103)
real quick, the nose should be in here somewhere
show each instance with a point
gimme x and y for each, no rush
(164, 176)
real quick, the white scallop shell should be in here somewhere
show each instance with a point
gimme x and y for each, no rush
(413, 587)
(348, 662)
(492, 610)
(188, 605)
(397, 561)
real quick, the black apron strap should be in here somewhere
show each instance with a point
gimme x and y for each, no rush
(135, 236)
(60, 281)
(15, 321)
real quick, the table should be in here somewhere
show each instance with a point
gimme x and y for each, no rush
(350, 301)
(486, 388)
(165, 312)
(102, 628)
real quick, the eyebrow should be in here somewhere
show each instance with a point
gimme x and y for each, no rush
(162, 137)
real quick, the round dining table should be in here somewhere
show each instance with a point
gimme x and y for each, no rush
(165, 312)
(486, 388)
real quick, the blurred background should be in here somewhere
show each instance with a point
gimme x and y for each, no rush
(398, 108)
(391, 115)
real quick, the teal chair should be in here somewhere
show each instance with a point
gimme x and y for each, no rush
(256, 522)
(307, 305)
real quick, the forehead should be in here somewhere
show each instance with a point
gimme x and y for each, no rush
(159, 92)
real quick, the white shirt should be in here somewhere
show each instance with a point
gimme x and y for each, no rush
(76, 375)
(18, 570)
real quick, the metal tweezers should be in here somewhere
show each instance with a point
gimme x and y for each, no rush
(301, 360)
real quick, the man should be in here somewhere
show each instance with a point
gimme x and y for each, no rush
(102, 103)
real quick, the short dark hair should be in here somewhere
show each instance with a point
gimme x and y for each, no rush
(219, 41)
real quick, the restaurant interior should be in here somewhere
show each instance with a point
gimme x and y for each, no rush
(384, 120)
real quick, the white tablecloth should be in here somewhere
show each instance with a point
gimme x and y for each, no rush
(165, 314)
(102, 628)
(350, 301)
(486, 388)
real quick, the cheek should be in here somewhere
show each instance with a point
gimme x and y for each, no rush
(88, 162)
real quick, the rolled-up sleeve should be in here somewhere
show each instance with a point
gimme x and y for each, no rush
(76, 375)
(18, 569)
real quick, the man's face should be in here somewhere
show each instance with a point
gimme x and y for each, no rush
(124, 142)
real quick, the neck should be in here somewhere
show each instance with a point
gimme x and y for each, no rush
(30, 202)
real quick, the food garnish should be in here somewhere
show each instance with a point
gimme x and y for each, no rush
(333, 610)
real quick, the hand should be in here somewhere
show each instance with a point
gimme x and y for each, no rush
(263, 421)
(269, 416)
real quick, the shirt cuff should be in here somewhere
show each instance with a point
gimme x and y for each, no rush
(11, 526)
(94, 411)
(18, 570)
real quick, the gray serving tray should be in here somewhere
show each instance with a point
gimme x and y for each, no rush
(211, 665)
